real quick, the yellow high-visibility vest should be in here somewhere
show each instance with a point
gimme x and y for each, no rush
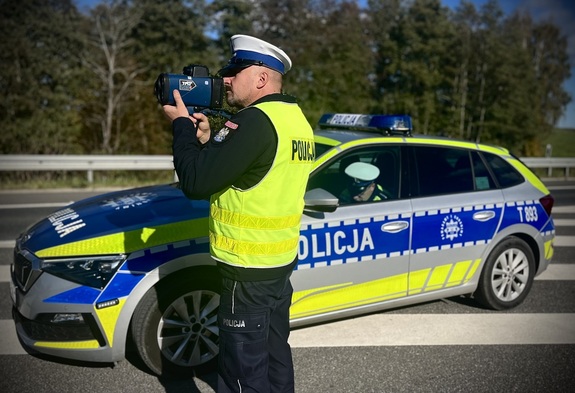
(259, 227)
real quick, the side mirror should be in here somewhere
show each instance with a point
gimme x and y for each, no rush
(320, 200)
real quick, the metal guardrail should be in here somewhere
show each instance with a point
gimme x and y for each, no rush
(91, 163)
(88, 163)
(565, 163)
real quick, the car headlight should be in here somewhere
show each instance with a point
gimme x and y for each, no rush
(94, 271)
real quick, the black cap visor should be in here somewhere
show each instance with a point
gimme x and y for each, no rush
(235, 65)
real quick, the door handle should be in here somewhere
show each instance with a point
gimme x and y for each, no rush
(394, 227)
(484, 215)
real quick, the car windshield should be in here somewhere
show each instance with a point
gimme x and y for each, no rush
(321, 148)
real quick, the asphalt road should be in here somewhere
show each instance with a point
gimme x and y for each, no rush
(443, 346)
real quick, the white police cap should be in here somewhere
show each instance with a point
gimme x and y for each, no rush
(362, 171)
(248, 51)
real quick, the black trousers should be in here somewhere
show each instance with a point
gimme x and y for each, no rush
(253, 321)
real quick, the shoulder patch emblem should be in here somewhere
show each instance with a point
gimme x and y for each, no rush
(222, 134)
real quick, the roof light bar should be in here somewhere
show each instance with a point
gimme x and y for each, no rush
(388, 124)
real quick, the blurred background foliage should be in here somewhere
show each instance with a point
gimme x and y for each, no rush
(82, 83)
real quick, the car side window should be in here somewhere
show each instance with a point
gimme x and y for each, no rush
(333, 177)
(505, 173)
(482, 176)
(440, 170)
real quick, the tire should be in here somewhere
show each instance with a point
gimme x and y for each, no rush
(507, 276)
(175, 327)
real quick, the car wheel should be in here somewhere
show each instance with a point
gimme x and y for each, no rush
(507, 276)
(175, 327)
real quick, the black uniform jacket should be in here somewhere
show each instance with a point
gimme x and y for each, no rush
(238, 155)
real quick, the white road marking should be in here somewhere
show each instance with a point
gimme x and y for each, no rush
(439, 329)
(7, 243)
(569, 187)
(564, 241)
(564, 222)
(408, 330)
(9, 343)
(4, 273)
(558, 272)
(562, 209)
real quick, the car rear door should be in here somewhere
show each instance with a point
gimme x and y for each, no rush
(456, 212)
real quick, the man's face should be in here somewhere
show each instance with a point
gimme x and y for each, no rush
(240, 87)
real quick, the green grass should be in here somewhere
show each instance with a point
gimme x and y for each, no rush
(562, 141)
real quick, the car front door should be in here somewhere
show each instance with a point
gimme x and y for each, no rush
(356, 256)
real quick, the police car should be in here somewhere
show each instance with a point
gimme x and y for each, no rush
(133, 267)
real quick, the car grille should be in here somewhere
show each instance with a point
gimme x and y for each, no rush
(43, 330)
(22, 269)
(25, 269)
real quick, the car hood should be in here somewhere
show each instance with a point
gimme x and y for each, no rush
(119, 222)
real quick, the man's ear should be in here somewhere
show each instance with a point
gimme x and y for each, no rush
(263, 78)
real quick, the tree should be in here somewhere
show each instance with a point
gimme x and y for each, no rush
(74, 83)
(108, 58)
(329, 47)
(466, 24)
(38, 109)
(230, 17)
(551, 66)
(429, 34)
(169, 36)
(412, 60)
(511, 118)
(387, 43)
(488, 55)
(344, 78)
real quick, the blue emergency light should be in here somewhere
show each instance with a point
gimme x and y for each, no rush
(388, 124)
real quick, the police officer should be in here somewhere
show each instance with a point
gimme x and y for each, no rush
(362, 187)
(255, 171)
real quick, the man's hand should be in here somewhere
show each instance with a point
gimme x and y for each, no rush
(203, 126)
(180, 110)
(199, 119)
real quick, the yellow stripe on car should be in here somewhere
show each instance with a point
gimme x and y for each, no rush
(325, 140)
(329, 298)
(354, 295)
(458, 274)
(530, 176)
(109, 318)
(125, 242)
(549, 250)
(89, 344)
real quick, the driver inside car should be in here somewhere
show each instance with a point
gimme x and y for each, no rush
(362, 187)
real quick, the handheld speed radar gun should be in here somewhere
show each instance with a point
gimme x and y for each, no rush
(198, 89)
